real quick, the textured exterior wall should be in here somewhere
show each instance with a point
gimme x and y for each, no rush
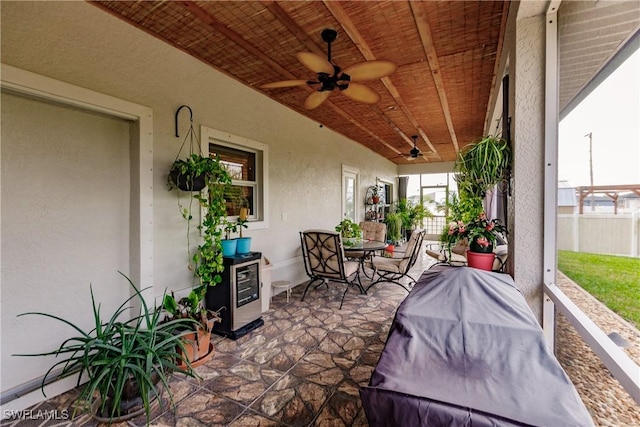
(65, 224)
(528, 165)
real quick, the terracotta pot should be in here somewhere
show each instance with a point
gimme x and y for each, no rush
(198, 347)
(480, 261)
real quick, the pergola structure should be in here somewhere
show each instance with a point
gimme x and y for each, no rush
(611, 191)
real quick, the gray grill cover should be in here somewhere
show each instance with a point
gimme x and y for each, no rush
(465, 349)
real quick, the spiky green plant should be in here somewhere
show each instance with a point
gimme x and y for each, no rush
(482, 165)
(144, 350)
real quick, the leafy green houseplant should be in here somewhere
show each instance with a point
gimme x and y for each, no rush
(125, 361)
(350, 232)
(482, 165)
(207, 262)
(394, 226)
(196, 342)
(411, 215)
(375, 194)
(461, 208)
(189, 174)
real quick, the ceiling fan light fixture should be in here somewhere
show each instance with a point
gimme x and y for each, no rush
(330, 76)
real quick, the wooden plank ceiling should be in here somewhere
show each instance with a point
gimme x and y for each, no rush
(446, 53)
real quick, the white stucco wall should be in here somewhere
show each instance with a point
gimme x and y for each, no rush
(526, 204)
(65, 224)
(78, 43)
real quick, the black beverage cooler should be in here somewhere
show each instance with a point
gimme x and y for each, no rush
(238, 296)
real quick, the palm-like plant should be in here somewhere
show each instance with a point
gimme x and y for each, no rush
(118, 356)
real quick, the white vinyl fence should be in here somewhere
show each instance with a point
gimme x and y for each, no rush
(600, 233)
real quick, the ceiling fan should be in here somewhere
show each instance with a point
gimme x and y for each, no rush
(415, 152)
(329, 76)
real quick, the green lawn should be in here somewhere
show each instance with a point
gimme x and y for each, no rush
(614, 280)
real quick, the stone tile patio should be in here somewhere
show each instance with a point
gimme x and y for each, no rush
(304, 366)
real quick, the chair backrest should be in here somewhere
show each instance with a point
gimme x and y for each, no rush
(372, 230)
(413, 249)
(323, 254)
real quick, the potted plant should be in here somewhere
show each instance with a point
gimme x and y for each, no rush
(482, 165)
(229, 245)
(394, 227)
(244, 243)
(350, 231)
(125, 361)
(411, 215)
(481, 235)
(189, 174)
(207, 263)
(375, 194)
(196, 337)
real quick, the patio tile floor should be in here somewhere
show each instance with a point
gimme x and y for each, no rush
(302, 368)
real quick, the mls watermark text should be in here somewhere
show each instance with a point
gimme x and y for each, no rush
(35, 414)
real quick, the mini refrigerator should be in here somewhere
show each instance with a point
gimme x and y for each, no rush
(238, 298)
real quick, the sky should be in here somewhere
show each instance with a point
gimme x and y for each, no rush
(611, 113)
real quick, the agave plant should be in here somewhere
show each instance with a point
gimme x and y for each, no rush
(117, 356)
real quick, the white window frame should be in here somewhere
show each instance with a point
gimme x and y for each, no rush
(260, 216)
(355, 173)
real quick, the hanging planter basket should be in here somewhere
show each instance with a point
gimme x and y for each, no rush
(185, 174)
(187, 181)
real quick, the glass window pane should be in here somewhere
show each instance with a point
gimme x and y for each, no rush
(240, 164)
(349, 194)
(239, 196)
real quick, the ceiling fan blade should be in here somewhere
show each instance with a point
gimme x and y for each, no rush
(284, 83)
(315, 63)
(370, 70)
(411, 158)
(361, 93)
(315, 99)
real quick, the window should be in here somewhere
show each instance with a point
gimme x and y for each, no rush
(246, 162)
(349, 193)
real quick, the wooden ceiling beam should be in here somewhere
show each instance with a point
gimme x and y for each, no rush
(424, 30)
(496, 67)
(205, 17)
(293, 27)
(304, 38)
(349, 27)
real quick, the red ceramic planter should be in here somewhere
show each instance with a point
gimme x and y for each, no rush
(480, 260)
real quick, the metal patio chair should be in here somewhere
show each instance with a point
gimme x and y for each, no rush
(393, 269)
(324, 261)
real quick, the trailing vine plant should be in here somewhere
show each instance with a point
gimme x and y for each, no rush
(207, 261)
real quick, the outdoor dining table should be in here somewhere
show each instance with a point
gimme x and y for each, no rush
(363, 250)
